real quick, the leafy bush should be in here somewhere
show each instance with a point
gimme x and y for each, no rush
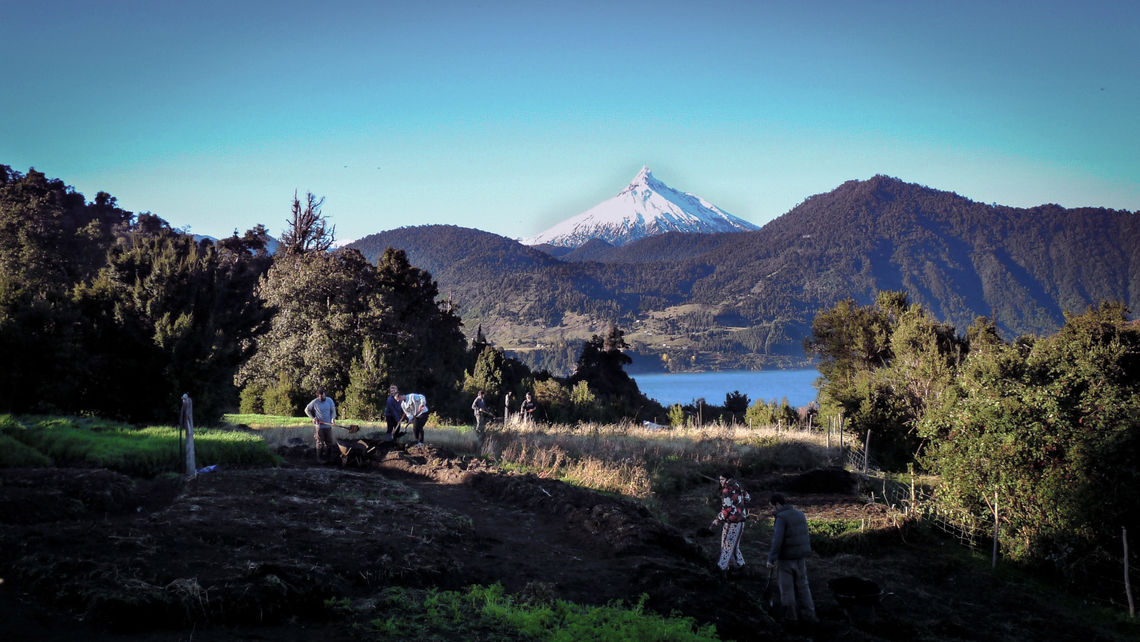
(283, 398)
(771, 413)
(252, 400)
(1052, 428)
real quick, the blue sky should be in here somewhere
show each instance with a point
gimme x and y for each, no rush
(511, 116)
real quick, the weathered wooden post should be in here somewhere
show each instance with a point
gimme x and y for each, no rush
(186, 423)
(1127, 580)
(507, 408)
(841, 431)
(910, 468)
(993, 560)
(866, 451)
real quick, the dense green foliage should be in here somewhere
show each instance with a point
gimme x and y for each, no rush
(102, 311)
(352, 328)
(1052, 429)
(488, 612)
(141, 452)
(757, 292)
(106, 312)
(1048, 429)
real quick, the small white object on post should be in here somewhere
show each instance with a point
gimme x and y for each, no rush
(186, 422)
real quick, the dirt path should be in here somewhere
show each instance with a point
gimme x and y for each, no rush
(523, 549)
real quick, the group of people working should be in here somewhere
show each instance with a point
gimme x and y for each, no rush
(411, 407)
(791, 542)
(479, 407)
(791, 545)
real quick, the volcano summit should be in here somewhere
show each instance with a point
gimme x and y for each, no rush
(646, 207)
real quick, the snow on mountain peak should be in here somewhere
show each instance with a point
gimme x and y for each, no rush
(646, 207)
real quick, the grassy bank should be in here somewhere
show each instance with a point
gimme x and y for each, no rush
(84, 442)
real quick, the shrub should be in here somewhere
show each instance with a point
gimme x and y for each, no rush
(283, 399)
(252, 400)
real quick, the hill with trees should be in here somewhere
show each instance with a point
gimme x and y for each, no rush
(748, 299)
(106, 312)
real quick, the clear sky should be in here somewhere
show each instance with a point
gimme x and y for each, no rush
(511, 116)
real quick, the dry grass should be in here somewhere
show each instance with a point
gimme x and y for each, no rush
(625, 458)
(633, 460)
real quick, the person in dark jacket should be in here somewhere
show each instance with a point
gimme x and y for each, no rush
(791, 545)
(393, 412)
(733, 514)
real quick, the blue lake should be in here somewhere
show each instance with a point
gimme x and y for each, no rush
(685, 387)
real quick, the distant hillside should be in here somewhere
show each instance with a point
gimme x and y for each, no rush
(747, 299)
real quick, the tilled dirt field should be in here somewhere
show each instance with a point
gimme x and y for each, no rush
(255, 554)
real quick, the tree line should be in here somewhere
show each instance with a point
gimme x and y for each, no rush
(1044, 430)
(110, 313)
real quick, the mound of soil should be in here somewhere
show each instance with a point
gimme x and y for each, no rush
(271, 553)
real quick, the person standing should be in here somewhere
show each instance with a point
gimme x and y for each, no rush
(480, 409)
(791, 544)
(527, 409)
(733, 515)
(392, 411)
(416, 412)
(322, 411)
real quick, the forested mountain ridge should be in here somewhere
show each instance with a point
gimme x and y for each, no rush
(747, 299)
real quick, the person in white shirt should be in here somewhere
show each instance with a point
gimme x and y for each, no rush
(416, 412)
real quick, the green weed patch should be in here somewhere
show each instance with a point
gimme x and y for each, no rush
(488, 612)
(831, 537)
(140, 452)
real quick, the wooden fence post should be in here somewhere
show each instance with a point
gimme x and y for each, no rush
(1127, 579)
(993, 562)
(186, 423)
(910, 468)
(829, 433)
(866, 451)
(841, 431)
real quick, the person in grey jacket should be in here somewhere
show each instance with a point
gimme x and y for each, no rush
(322, 411)
(791, 545)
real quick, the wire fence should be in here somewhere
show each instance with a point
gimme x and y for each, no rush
(1116, 584)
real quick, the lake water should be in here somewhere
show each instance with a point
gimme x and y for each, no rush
(685, 387)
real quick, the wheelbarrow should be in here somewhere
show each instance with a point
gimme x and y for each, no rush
(354, 452)
(856, 596)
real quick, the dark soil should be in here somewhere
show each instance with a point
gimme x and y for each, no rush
(259, 554)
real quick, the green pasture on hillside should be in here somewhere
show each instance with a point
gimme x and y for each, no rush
(83, 442)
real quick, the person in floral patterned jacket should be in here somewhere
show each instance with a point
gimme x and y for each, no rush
(733, 515)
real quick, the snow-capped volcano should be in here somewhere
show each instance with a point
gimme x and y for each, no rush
(646, 207)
